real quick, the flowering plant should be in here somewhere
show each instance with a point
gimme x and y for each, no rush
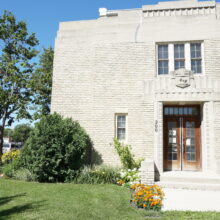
(149, 197)
(129, 177)
(10, 156)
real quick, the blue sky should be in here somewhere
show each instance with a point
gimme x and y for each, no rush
(43, 16)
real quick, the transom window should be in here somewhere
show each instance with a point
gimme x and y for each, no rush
(121, 127)
(180, 110)
(179, 55)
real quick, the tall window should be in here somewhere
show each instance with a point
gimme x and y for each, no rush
(179, 56)
(196, 57)
(174, 56)
(121, 127)
(163, 59)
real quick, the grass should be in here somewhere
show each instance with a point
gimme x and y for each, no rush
(42, 201)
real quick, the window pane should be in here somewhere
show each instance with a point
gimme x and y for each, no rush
(190, 111)
(166, 111)
(194, 111)
(176, 112)
(171, 111)
(121, 121)
(179, 64)
(162, 67)
(121, 127)
(121, 133)
(162, 52)
(180, 110)
(196, 66)
(179, 51)
(195, 50)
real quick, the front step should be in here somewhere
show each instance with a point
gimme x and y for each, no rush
(190, 180)
(189, 185)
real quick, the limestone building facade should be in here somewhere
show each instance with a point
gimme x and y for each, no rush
(148, 76)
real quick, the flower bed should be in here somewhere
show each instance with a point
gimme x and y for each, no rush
(149, 197)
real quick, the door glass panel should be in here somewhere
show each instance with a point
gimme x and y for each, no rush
(172, 139)
(190, 141)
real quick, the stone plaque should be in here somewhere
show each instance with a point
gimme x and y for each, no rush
(182, 77)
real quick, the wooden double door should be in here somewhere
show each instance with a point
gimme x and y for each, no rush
(182, 138)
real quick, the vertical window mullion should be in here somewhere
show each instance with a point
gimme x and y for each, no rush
(187, 56)
(171, 56)
(202, 56)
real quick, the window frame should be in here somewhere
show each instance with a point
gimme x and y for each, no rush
(163, 59)
(187, 53)
(179, 59)
(126, 126)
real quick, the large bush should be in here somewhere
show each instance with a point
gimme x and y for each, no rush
(56, 148)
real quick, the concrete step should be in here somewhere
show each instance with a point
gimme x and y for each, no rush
(187, 179)
(189, 185)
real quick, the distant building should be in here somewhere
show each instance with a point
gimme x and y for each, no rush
(151, 78)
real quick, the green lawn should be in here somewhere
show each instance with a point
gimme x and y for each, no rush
(23, 200)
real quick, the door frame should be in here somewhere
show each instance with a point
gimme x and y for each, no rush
(177, 117)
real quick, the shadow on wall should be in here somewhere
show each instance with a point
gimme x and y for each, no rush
(157, 173)
(95, 157)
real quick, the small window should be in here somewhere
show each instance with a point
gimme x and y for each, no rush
(163, 59)
(196, 57)
(121, 127)
(179, 56)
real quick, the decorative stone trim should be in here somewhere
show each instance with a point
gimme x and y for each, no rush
(181, 8)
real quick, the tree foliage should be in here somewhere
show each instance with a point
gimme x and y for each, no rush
(42, 83)
(56, 148)
(17, 50)
(21, 132)
(8, 132)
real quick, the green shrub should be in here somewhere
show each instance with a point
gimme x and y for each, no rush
(8, 170)
(98, 175)
(126, 157)
(56, 148)
(24, 174)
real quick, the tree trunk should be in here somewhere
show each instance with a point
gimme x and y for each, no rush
(1, 140)
(2, 128)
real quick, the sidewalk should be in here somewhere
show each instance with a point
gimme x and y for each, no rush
(193, 200)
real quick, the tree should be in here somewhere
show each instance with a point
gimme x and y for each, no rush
(56, 149)
(21, 132)
(42, 83)
(17, 50)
